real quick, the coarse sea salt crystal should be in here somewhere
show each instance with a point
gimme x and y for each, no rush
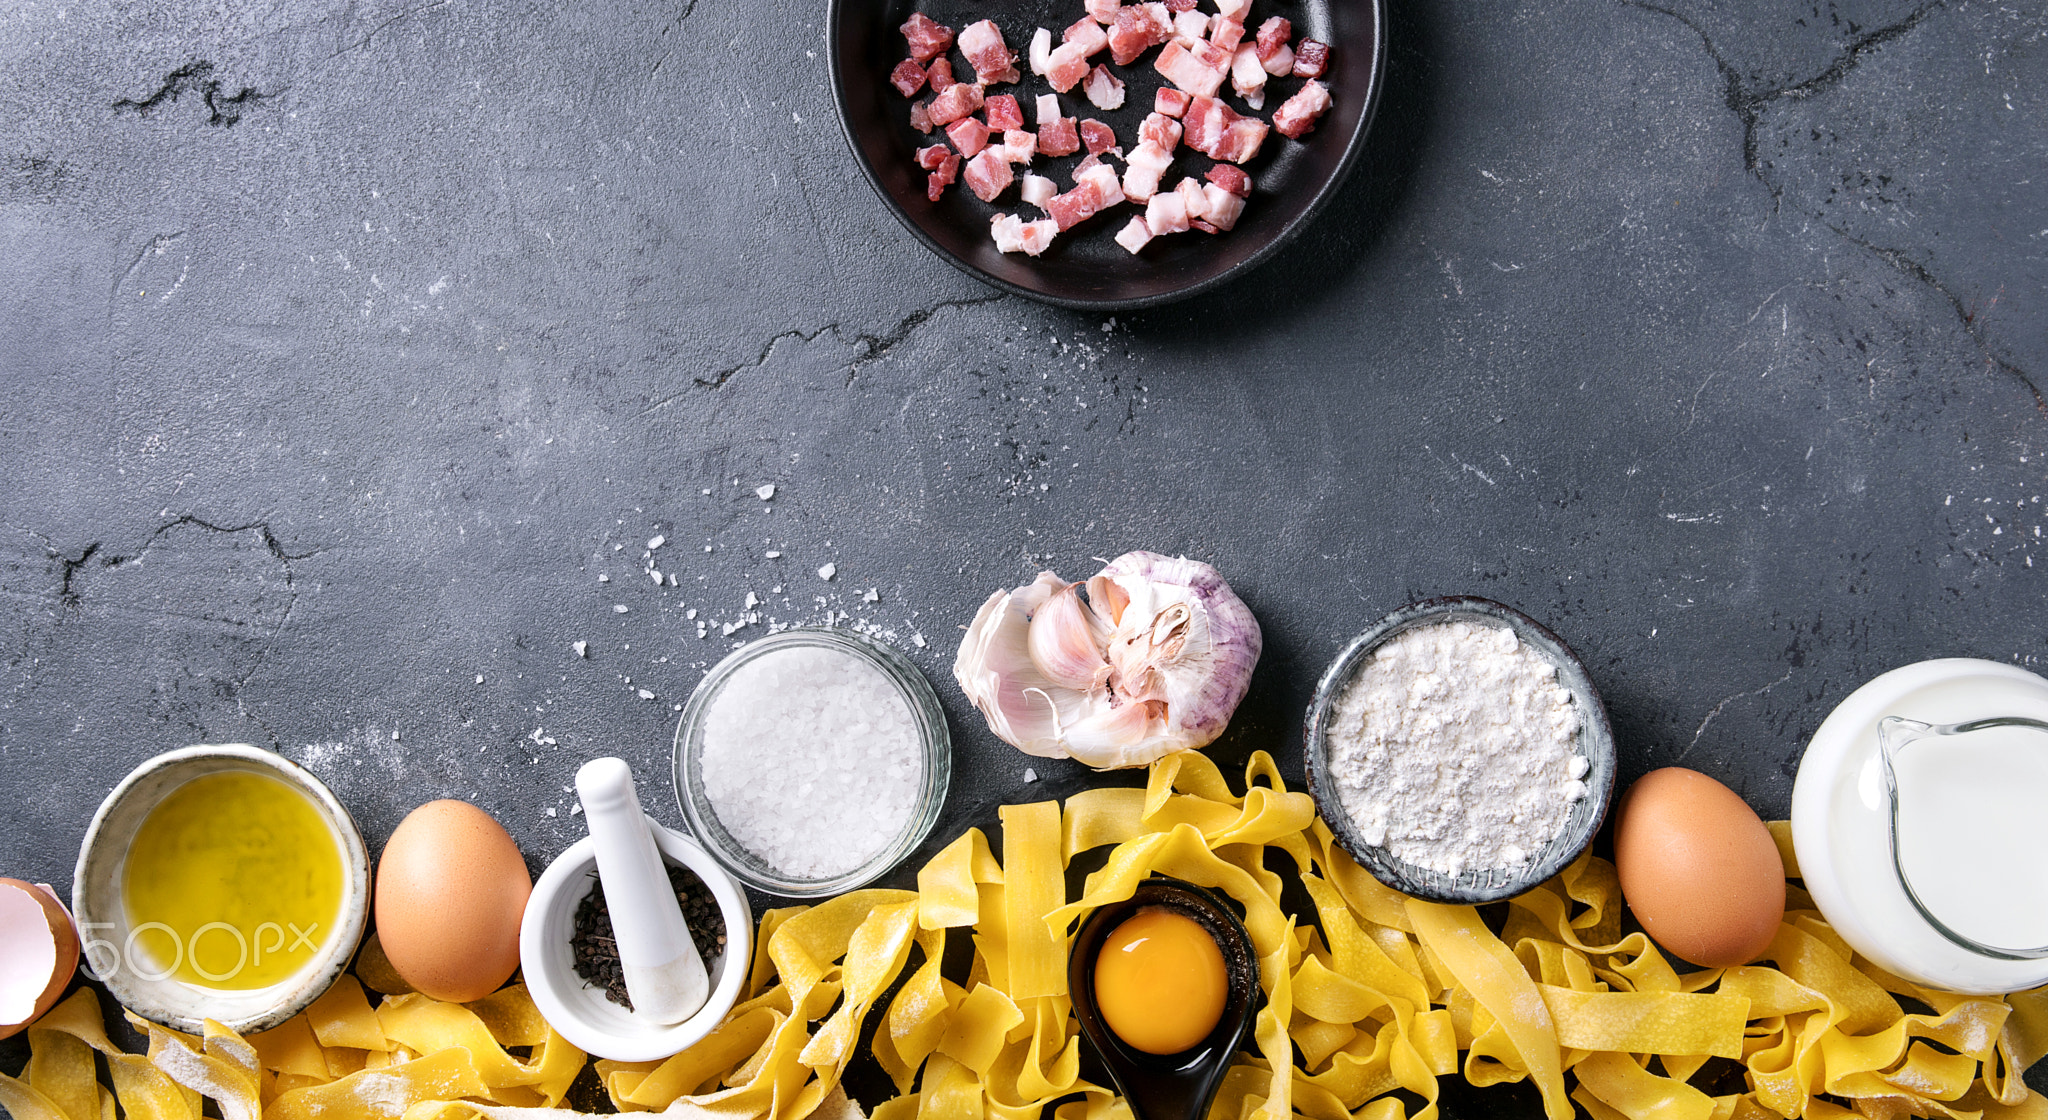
(765, 492)
(773, 555)
(656, 541)
(812, 760)
(828, 571)
(620, 608)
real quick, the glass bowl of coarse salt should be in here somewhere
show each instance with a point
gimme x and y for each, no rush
(811, 761)
(1458, 751)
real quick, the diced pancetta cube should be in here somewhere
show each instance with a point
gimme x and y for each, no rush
(1170, 102)
(1088, 163)
(958, 100)
(1221, 208)
(1097, 137)
(1213, 130)
(1037, 189)
(1060, 138)
(988, 174)
(928, 39)
(1166, 214)
(941, 75)
(1311, 58)
(1134, 235)
(1138, 27)
(1104, 89)
(1074, 207)
(1231, 179)
(920, 117)
(1282, 62)
(1066, 66)
(1019, 146)
(1003, 112)
(1147, 164)
(992, 59)
(1048, 109)
(1247, 75)
(1192, 26)
(1102, 11)
(1015, 235)
(1088, 33)
(1161, 130)
(1192, 199)
(1041, 51)
(1226, 33)
(908, 77)
(1299, 113)
(942, 176)
(1106, 183)
(1233, 9)
(930, 158)
(1198, 68)
(969, 136)
(1273, 34)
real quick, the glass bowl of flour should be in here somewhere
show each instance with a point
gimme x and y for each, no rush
(812, 761)
(1459, 752)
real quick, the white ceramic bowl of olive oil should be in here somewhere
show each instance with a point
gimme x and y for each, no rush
(220, 882)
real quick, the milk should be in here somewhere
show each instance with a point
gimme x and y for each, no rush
(1973, 830)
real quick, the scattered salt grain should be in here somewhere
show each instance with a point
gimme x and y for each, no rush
(753, 600)
(773, 555)
(646, 695)
(655, 575)
(575, 809)
(479, 678)
(917, 640)
(811, 760)
(655, 542)
(603, 578)
(550, 810)
(1030, 775)
(582, 648)
(871, 595)
(828, 571)
(619, 608)
(691, 614)
(765, 492)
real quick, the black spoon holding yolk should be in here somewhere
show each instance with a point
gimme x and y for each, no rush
(1165, 985)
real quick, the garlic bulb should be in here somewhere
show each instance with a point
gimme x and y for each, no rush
(1150, 656)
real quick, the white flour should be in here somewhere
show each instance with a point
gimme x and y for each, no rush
(1453, 749)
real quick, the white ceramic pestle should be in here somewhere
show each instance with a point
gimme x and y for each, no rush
(664, 971)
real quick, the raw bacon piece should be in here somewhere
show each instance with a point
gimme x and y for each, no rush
(1134, 235)
(1003, 112)
(1282, 62)
(1233, 9)
(928, 38)
(1166, 214)
(942, 176)
(1037, 189)
(1191, 26)
(968, 135)
(958, 100)
(1299, 113)
(941, 75)
(1097, 137)
(1048, 109)
(1273, 34)
(1161, 130)
(1019, 146)
(1216, 132)
(1105, 180)
(1231, 179)
(992, 59)
(1015, 235)
(1104, 89)
(930, 158)
(988, 174)
(1138, 27)
(1102, 11)
(1247, 76)
(1226, 33)
(1041, 51)
(1141, 178)
(1170, 102)
(1088, 163)
(1221, 208)
(908, 77)
(1192, 199)
(1059, 138)
(1066, 66)
(1311, 58)
(1074, 207)
(1088, 34)
(1197, 68)
(920, 117)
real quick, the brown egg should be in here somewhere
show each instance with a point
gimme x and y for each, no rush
(1698, 868)
(451, 887)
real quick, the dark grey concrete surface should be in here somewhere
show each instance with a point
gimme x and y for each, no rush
(346, 346)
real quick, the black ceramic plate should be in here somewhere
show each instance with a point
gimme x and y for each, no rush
(1085, 268)
(1596, 743)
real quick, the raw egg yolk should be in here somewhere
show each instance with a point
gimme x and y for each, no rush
(1160, 981)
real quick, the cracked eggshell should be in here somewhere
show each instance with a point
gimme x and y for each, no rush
(40, 947)
(451, 887)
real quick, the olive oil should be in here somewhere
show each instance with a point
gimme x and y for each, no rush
(233, 881)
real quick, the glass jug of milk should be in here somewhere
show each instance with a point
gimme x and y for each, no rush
(1969, 812)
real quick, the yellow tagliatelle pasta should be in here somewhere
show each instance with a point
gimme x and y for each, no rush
(1370, 994)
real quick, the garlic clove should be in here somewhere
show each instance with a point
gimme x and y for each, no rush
(994, 667)
(1107, 600)
(1066, 642)
(1130, 734)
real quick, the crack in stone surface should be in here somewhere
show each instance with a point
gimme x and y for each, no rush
(359, 44)
(223, 110)
(1718, 708)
